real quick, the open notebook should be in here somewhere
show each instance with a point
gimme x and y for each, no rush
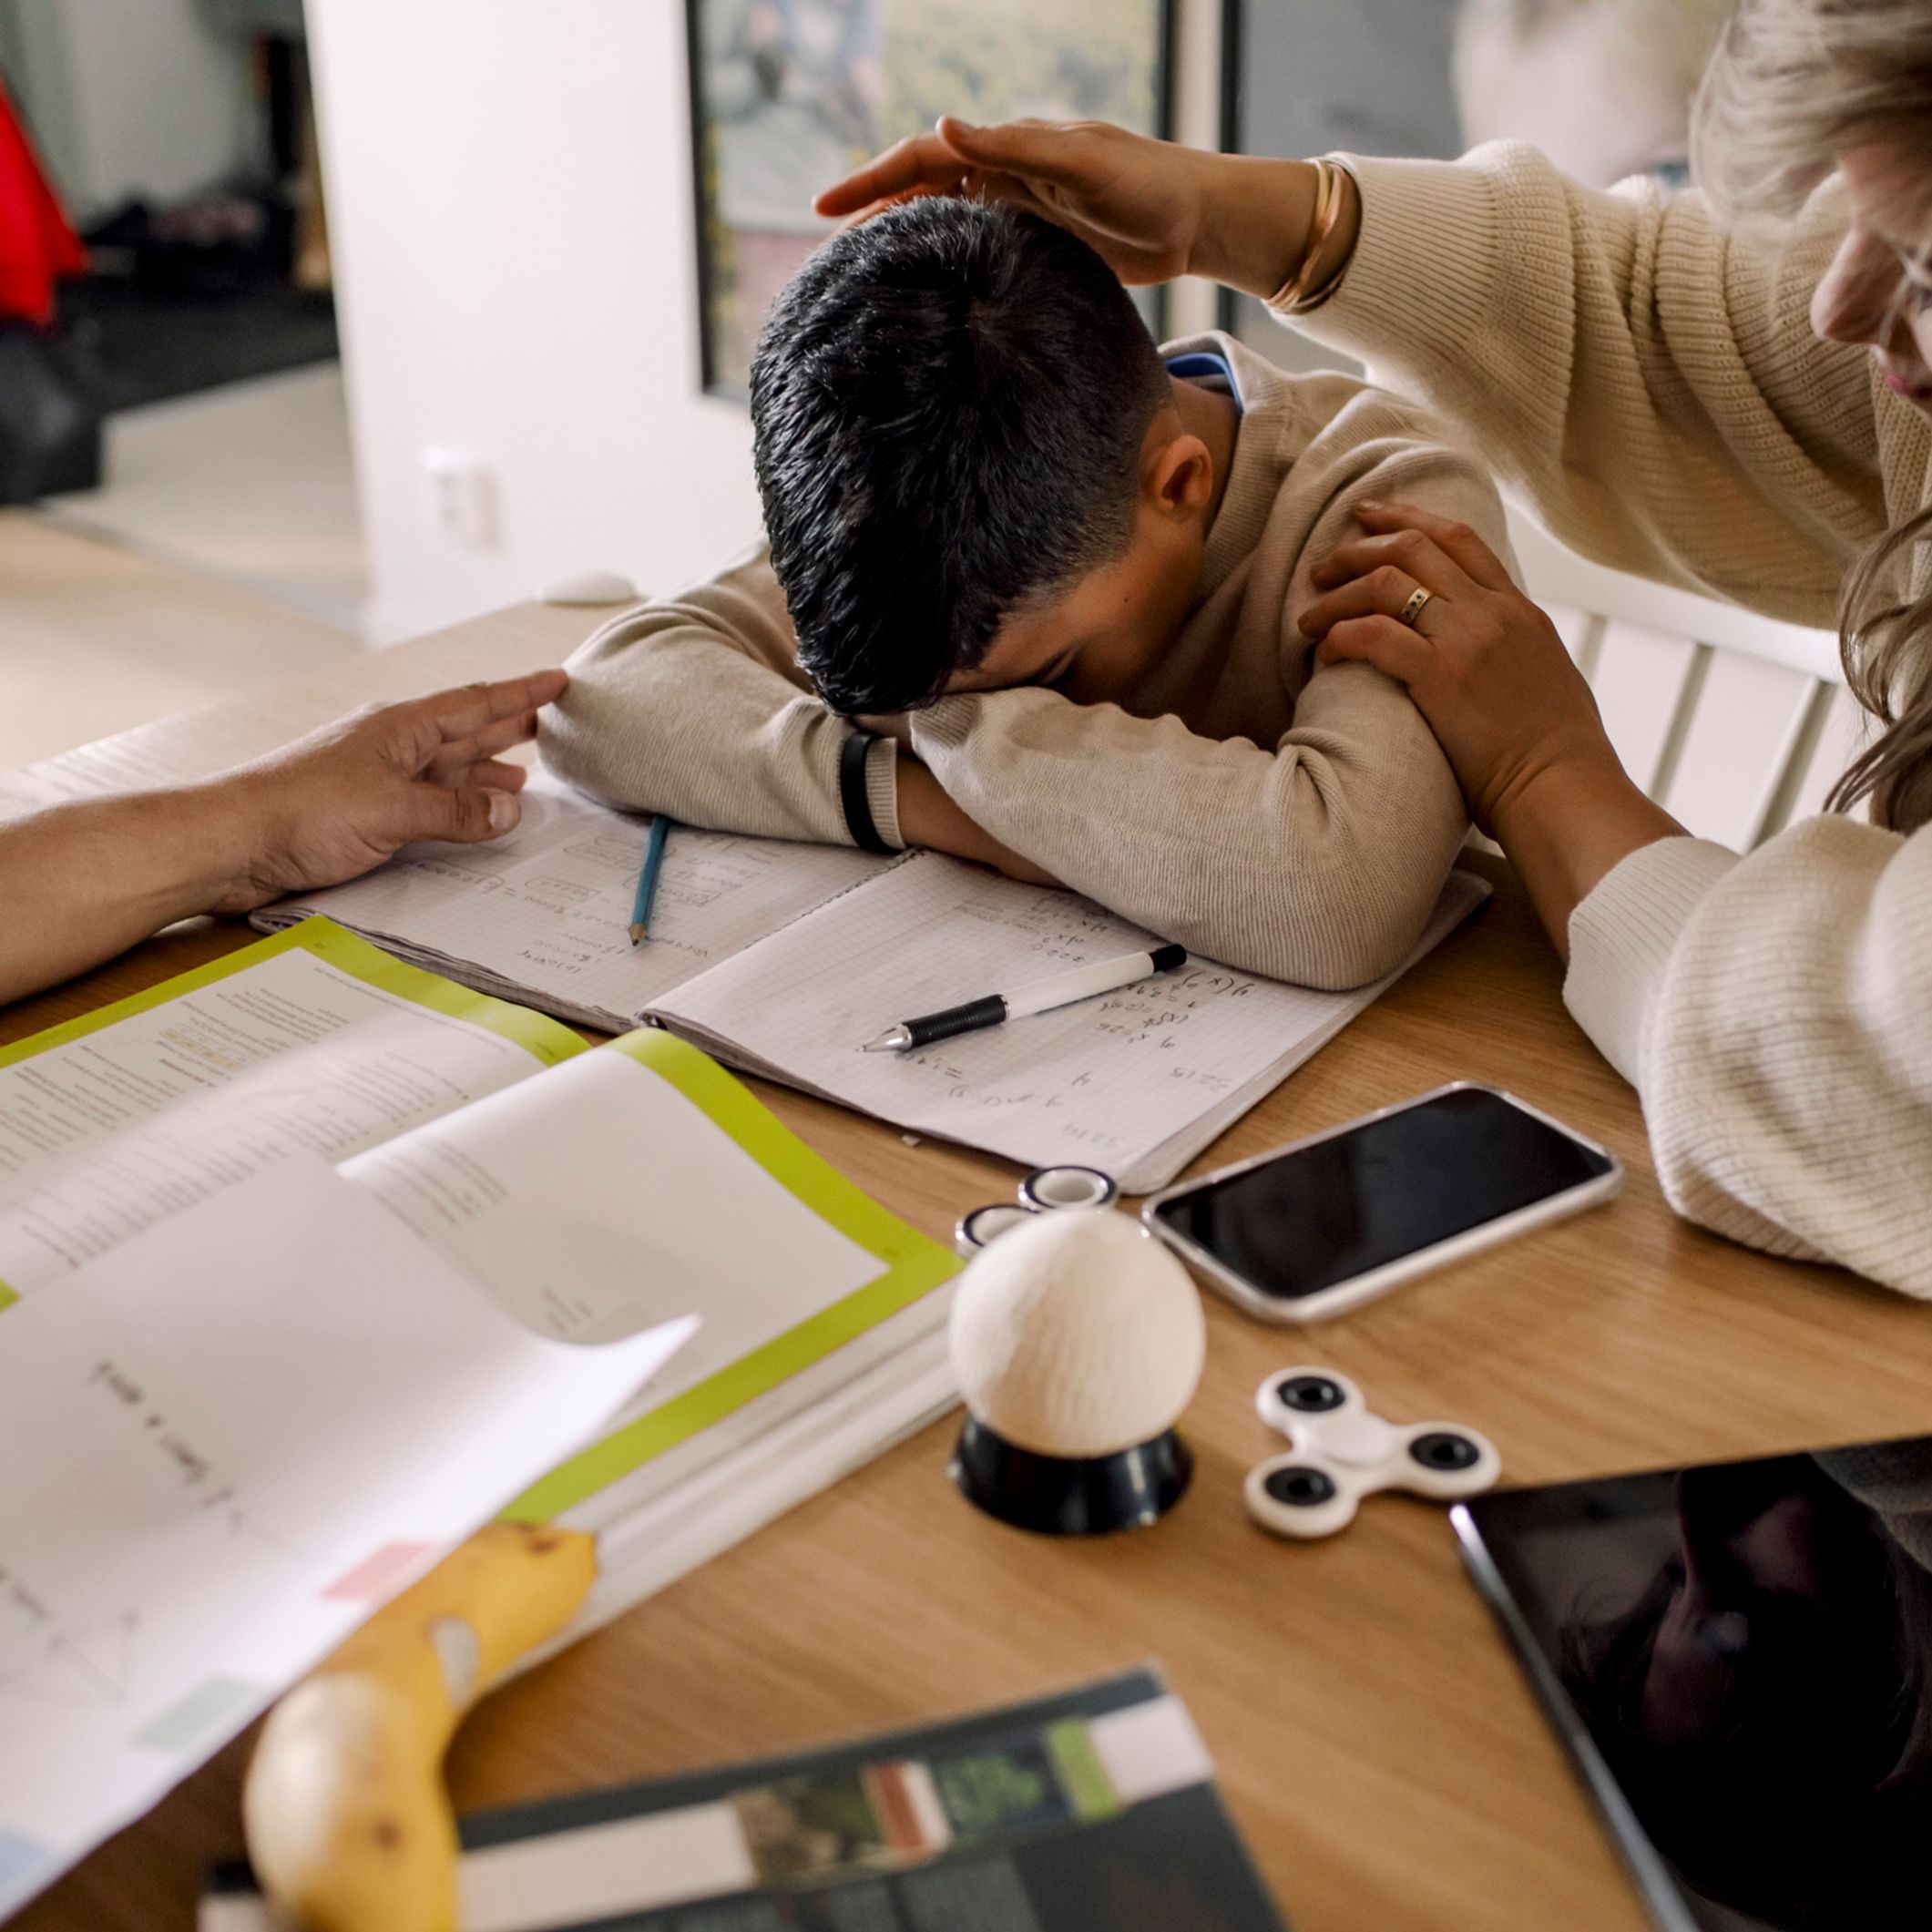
(1136, 1082)
(783, 959)
(543, 915)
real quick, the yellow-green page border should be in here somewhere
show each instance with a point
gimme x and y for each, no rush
(545, 1040)
(914, 1265)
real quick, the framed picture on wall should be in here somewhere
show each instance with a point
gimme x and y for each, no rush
(788, 95)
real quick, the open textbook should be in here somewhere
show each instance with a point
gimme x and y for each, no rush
(319, 1135)
(783, 959)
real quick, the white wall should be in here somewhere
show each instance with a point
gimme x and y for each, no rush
(131, 97)
(510, 214)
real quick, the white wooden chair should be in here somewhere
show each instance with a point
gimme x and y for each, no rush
(1735, 723)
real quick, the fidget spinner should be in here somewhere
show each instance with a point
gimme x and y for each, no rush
(1341, 1453)
(1045, 1190)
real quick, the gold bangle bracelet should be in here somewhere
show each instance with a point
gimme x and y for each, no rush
(1291, 298)
(1316, 296)
(1327, 211)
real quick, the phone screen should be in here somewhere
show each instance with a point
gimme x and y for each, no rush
(1325, 1214)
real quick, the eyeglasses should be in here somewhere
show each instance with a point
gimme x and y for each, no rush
(1915, 280)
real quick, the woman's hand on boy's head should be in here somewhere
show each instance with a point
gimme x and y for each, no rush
(1136, 202)
(1150, 210)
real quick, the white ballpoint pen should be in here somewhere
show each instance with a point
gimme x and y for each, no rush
(1087, 982)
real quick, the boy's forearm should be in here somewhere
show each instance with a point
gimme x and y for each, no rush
(665, 714)
(928, 818)
(1318, 862)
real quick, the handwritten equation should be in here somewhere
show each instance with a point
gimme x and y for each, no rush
(189, 1467)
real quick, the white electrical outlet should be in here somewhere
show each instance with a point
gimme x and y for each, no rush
(462, 495)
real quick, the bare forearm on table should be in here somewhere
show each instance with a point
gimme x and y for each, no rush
(81, 882)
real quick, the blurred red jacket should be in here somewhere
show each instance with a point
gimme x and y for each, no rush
(38, 242)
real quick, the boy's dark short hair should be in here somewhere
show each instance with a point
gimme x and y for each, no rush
(949, 404)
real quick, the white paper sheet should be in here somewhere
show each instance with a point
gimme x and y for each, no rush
(225, 1441)
(599, 1199)
(102, 1136)
(545, 914)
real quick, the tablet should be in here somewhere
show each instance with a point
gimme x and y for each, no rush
(1738, 1658)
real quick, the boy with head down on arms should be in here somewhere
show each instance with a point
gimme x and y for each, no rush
(1029, 596)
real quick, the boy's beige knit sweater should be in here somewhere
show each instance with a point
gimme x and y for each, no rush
(1285, 820)
(1653, 386)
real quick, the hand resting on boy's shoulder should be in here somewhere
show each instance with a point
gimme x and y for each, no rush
(1063, 575)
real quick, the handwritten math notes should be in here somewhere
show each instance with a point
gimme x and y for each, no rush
(1136, 1081)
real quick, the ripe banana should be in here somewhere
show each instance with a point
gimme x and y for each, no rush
(349, 1825)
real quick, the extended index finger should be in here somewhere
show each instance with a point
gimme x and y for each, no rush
(1456, 540)
(1410, 552)
(472, 708)
(921, 164)
(454, 753)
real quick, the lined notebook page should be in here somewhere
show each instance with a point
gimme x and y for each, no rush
(1135, 1082)
(545, 914)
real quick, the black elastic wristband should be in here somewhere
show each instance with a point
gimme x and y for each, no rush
(852, 795)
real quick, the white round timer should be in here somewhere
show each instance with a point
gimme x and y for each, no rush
(1075, 1336)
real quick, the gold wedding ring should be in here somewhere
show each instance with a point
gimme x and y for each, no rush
(1411, 611)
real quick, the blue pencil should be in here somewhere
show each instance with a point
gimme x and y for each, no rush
(648, 880)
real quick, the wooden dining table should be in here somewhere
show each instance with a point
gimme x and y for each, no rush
(1379, 1751)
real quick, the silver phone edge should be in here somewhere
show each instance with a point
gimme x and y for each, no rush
(1341, 1296)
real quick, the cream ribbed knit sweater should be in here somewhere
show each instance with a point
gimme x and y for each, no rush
(1287, 819)
(1653, 387)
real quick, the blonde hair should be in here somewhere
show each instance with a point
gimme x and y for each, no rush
(1793, 85)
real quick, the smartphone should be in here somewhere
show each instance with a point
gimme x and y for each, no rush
(1328, 1224)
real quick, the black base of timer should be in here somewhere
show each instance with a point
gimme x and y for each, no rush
(1070, 1495)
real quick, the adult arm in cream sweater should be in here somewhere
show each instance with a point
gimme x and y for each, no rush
(1651, 384)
